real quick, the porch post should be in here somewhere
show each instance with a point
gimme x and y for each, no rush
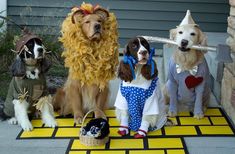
(228, 81)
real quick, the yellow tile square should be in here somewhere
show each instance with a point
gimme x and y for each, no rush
(180, 130)
(37, 123)
(65, 122)
(176, 151)
(216, 130)
(126, 144)
(108, 152)
(173, 119)
(77, 145)
(213, 112)
(146, 152)
(38, 132)
(165, 143)
(156, 132)
(151, 133)
(194, 121)
(77, 152)
(113, 122)
(67, 132)
(184, 114)
(219, 121)
(113, 132)
(110, 113)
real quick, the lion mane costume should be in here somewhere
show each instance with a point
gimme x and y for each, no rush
(90, 62)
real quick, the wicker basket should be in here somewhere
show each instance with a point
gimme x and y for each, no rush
(89, 140)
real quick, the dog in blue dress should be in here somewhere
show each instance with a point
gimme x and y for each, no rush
(139, 103)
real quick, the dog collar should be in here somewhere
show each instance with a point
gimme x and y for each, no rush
(192, 71)
(132, 62)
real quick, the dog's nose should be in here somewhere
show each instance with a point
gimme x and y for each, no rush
(40, 50)
(144, 52)
(97, 27)
(184, 43)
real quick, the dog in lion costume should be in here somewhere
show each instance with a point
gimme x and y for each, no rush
(90, 40)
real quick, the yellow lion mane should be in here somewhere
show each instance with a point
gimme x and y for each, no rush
(90, 62)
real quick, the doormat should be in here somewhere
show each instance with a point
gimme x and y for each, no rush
(168, 140)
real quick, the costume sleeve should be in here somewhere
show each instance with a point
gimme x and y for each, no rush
(120, 102)
(172, 87)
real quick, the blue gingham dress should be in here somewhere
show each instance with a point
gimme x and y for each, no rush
(136, 98)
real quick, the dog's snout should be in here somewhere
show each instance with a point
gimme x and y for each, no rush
(40, 50)
(97, 27)
(184, 43)
(144, 52)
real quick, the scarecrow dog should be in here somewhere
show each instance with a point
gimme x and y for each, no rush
(187, 85)
(139, 103)
(28, 85)
(90, 39)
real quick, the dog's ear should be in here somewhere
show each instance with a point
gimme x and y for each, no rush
(45, 65)
(124, 72)
(18, 68)
(146, 71)
(173, 34)
(126, 50)
(76, 15)
(104, 14)
(201, 37)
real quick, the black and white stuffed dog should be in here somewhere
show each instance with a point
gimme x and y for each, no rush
(28, 85)
(97, 128)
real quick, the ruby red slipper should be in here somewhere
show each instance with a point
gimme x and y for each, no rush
(142, 135)
(123, 132)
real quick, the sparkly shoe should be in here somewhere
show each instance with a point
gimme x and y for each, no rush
(141, 134)
(124, 131)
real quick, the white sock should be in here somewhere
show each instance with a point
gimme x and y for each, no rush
(144, 126)
(124, 122)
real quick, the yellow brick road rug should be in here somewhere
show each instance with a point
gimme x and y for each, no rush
(168, 140)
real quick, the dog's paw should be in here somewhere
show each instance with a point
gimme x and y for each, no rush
(50, 122)
(13, 121)
(198, 116)
(26, 125)
(78, 120)
(172, 114)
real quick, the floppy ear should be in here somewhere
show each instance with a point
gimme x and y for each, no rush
(102, 13)
(18, 67)
(173, 34)
(202, 38)
(124, 72)
(75, 16)
(45, 65)
(126, 50)
(146, 71)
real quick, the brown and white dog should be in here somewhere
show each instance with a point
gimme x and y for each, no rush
(89, 36)
(28, 85)
(187, 87)
(139, 103)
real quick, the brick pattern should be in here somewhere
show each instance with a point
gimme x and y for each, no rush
(233, 98)
(228, 81)
(169, 138)
(228, 84)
